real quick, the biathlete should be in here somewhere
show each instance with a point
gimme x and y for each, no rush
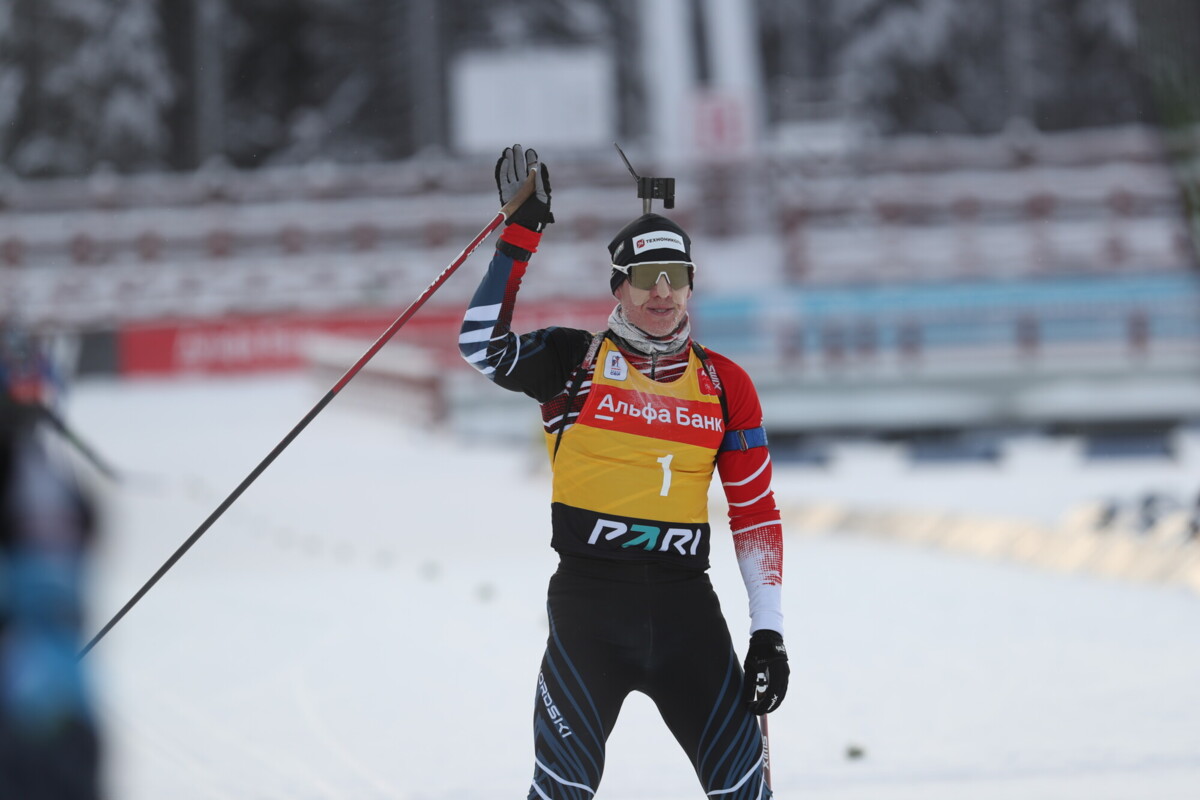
(637, 418)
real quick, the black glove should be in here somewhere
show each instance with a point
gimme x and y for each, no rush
(766, 679)
(511, 169)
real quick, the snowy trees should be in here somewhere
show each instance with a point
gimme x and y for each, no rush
(359, 80)
(928, 66)
(301, 81)
(150, 83)
(969, 66)
(1167, 33)
(1085, 50)
(132, 87)
(12, 75)
(90, 85)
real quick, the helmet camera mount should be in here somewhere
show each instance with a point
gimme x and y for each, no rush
(650, 189)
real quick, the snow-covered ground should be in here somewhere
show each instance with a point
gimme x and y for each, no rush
(366, 622)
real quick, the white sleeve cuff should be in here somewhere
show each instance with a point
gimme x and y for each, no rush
(766, 607)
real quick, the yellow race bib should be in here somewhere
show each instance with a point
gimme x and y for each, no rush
(631, 476)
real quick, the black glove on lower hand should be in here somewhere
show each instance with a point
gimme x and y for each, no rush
(512, 168)
(767, 671)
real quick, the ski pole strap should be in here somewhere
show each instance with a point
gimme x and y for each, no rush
(593, 349)
(712, 376)
(581, 373)
(744, 440)
(518, 242)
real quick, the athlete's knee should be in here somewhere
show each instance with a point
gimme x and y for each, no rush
(735, 765)
(551, 783)
(751, 786)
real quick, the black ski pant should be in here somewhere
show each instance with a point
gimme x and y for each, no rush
(618, 627)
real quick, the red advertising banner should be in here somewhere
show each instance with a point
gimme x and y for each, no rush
(248, 344)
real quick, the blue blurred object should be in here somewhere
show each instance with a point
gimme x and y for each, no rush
(27, 373)
(49, 746)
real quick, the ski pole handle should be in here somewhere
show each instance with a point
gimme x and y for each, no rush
(523, 194)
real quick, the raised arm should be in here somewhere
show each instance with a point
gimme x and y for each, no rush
(536, 363)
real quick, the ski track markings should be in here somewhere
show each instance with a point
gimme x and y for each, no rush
(299, 778)
(307, 704)
(158, 753)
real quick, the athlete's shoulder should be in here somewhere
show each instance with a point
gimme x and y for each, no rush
(569, 334)
(541, 361)
(727, 369)
(570, 346)
(569, 340)
(741, 398)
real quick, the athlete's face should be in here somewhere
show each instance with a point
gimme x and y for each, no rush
(657, 311)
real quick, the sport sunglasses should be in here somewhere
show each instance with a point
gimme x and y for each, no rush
(645, 276)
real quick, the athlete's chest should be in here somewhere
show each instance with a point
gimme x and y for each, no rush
(622, 399)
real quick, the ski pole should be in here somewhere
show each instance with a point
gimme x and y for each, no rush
(90, 455)
(527, 189)
(762, 722)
